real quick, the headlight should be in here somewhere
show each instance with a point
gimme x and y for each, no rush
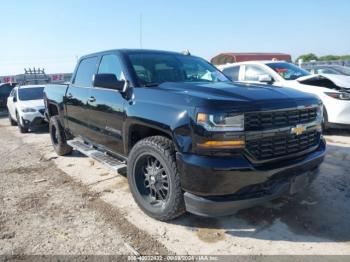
(28, 110)
(340, 96)
(320, 113)
(221, 122)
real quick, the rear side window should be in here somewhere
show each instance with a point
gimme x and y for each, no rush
(86, 69)
(110, 64)
(232, 72)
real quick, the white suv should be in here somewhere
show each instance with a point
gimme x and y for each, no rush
(26, 107)
(334, 95)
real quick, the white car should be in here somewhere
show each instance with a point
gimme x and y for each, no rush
(335, 94)
(26, 107)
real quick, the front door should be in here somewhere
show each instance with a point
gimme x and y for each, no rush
(11, 101)
(77, 96)
(106, 108)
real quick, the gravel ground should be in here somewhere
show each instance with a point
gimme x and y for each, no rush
(101, 214)
(43, 211)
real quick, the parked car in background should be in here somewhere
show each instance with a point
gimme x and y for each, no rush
(5, 90)
(328, 69)
(188, 137)
(225, 58)
(26, 107)
(334, 93)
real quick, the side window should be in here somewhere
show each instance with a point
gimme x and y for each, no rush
(12, 92)
(327, 71)
(86, 69)
(253, 72)
(110, 64)
(232, 72)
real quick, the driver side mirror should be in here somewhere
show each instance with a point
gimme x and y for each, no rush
(109, 81)
(14, 99)
(265, 79)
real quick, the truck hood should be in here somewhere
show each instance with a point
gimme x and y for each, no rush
(336, 82)
(223, 94)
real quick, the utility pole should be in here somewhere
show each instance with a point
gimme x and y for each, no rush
(141, 30)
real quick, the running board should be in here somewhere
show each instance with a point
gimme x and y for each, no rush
(111, 162)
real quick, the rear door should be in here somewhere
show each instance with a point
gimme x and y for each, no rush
(106, 108)
(76, 99)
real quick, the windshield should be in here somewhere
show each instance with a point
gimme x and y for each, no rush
(344, 70)
(157, 68)
(288, 71)
(32, 93)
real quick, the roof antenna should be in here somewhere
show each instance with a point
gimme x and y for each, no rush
(186, 52)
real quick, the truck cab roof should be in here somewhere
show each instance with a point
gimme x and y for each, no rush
(133, 51)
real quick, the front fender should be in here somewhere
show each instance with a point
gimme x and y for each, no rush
(174, 121)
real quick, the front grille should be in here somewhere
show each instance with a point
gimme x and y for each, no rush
(281, 145)
(42, 111)
(257, 121)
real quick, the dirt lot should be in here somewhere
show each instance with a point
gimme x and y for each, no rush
(74, 205)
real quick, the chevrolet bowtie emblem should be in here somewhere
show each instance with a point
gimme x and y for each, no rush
(298, 130)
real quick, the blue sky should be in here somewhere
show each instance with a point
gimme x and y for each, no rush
(52, 34)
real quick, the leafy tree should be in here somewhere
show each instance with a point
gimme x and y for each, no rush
(311, 56)
(307, 57)
(345, 57)
(329, 58)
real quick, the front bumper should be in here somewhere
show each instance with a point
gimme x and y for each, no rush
(34, 119)
(338, 111)
(36, 122)
(221, 186)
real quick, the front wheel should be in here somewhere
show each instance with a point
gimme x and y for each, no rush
(21, 128)
(58, 137)
(154, 179)
(12, 122)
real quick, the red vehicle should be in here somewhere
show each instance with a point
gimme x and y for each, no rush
(229, 58)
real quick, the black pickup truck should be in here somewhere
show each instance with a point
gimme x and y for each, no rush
(189, 138)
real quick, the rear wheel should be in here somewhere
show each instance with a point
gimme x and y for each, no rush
(58, 137)
(21, 128)
(154, 179)
(12, 122)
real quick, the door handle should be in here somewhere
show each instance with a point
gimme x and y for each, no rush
(92, 99)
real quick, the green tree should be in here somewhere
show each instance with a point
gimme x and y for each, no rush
(307, 57)
(345, 57)
(329, 58)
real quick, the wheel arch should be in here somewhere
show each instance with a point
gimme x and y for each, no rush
(136, 130)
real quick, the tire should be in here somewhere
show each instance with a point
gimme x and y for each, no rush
(158, 205)
(58, 137)
(21, 128)
(12, 122)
